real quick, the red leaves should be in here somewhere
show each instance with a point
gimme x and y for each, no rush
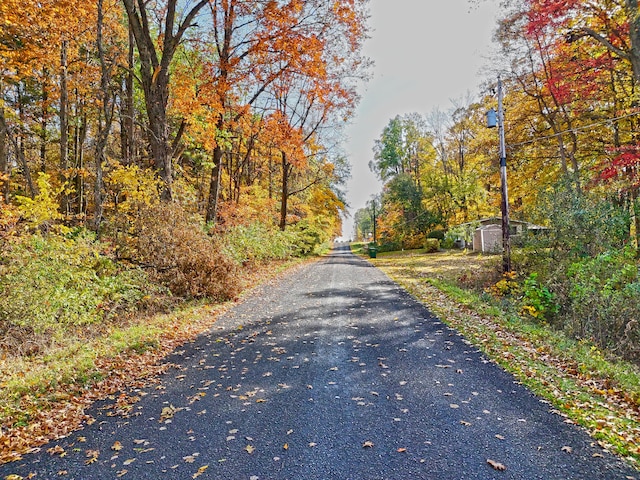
(623, 167)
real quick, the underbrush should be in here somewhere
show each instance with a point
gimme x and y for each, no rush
(177, 252)
(53, 285)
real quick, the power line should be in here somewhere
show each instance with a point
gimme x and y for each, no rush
(574, 130)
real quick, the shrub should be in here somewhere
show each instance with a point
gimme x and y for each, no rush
(537, 300)
(180, 255)
(439, 234)
(414, 241)
(306, 237)
(507, 286)
(431, 245)
(51, 283)
(256, 242)
(601, 299)
(580, 226)
(388, 246)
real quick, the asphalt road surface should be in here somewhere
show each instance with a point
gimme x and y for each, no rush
(334, 372)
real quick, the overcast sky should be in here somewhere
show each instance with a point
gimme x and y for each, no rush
(426, 52)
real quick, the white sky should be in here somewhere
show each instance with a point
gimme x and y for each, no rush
(426, 52)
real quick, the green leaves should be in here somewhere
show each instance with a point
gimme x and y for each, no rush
(52, 282)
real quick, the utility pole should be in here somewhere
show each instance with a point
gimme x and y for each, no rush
(491, 122)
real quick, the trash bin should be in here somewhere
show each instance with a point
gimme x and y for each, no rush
(372, 251)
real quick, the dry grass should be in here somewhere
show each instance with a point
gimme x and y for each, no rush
(462, 268)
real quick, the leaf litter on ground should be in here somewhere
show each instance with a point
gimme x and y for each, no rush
(588, 397)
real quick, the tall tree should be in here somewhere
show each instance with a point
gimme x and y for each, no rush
(256, 43)
(156, 56)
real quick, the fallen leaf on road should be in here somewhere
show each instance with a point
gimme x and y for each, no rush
(167, 412)
(285, 446)
(56, 450)
(453, 405)
(496, 466)
(312, 444)
(200, 471)
(250, 449)
(117, 446)
(121, 473)
(567, 449)
(499, 437)
(367, 444)
(401, 450)
(466, 424)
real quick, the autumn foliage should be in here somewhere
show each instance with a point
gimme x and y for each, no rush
(226, 108)
(571, 71)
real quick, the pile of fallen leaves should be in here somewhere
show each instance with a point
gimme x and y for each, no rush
(58, 408)
(586, 397)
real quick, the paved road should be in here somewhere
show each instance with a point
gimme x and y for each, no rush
(333, 373)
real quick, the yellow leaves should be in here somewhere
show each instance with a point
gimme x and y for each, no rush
(250, 449)
(131, 187)
(200, 471)
(117, 446)
(92, 456)
(43, 208)
(168, 412)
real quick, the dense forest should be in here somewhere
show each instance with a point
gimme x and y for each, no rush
(571, 72)
(165, 146)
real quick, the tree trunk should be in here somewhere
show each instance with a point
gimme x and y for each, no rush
(106, 116)
(4, 157)
(44, 125)
(79, 137)
(284, 200)
(127, 116)
(214, 186)
(64, 125)
(634, 34)
(18, 148)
